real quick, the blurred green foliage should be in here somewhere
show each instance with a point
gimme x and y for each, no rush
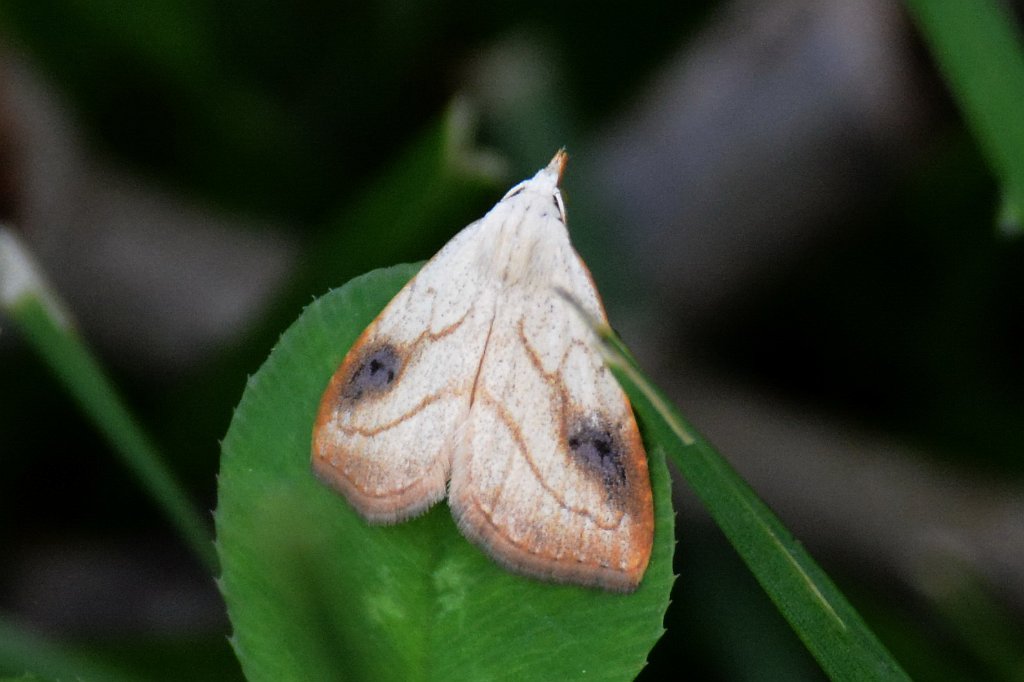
(978, 47)
(284, 109)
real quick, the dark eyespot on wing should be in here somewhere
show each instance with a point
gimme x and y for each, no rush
(375, 373)
(596, 448)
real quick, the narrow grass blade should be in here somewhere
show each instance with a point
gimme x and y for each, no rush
(820, 615)
(46, 327)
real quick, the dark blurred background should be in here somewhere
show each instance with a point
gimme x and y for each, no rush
(791, 225)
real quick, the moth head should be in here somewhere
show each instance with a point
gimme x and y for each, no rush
(545, 182)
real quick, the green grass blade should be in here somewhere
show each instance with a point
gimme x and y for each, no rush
(45, 327)
(315, 593)
(820, 615)
(980, 52)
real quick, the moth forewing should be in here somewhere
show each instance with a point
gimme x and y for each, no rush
(479, 375)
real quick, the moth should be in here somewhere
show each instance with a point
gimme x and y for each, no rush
(480, 382)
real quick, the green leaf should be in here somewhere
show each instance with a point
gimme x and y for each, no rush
(315, 593)
(828, 625)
